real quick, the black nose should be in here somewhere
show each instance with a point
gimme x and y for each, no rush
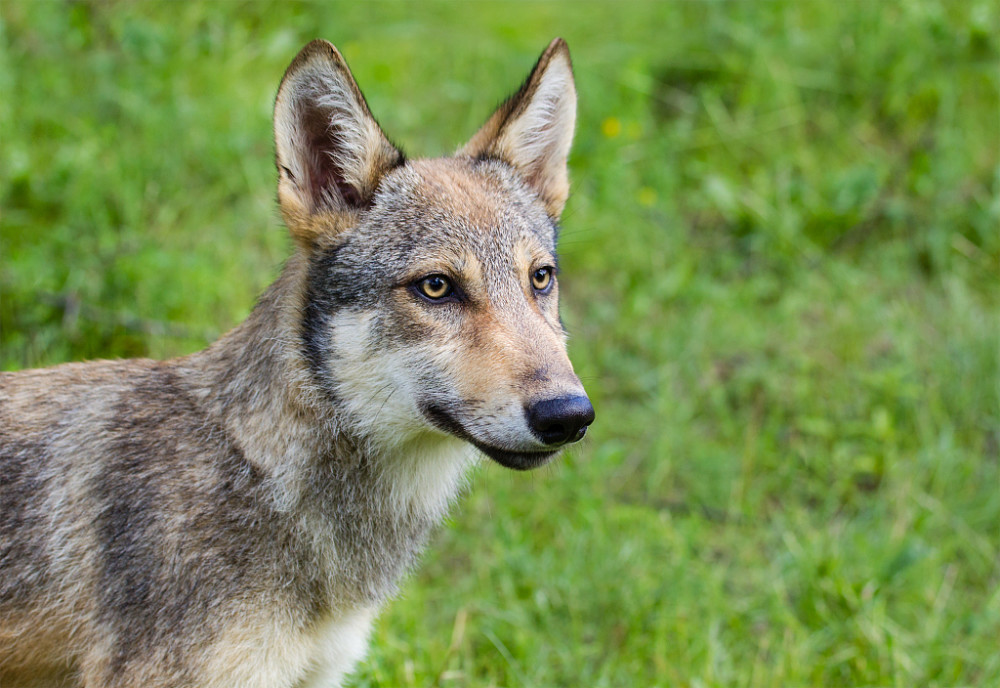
(562, 420)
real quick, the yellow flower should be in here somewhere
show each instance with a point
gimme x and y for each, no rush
(611, 127)
(647, 196)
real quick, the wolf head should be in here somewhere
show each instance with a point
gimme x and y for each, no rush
(431, 298)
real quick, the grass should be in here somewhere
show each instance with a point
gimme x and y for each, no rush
(782, 274)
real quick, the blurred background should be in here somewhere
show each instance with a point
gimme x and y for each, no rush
(781, 273)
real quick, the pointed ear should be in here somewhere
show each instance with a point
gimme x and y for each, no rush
(533, 129)
(331, 153)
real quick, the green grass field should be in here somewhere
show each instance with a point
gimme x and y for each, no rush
(781, 273)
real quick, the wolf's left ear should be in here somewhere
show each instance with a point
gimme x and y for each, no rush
(533, 129)
(331, 153)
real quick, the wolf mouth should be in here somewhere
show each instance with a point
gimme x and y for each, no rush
(519, 461)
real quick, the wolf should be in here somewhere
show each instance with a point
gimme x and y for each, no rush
(237, 517)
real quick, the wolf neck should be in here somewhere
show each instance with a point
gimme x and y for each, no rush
(370, 502)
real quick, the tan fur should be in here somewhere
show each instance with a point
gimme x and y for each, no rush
(237, 517)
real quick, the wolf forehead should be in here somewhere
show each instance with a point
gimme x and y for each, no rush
(444, 206)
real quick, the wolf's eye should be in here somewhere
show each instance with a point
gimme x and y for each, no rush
(541, 279)
(435, 287)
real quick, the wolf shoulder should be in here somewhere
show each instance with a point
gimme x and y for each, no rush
(87, 449)
(70, 411)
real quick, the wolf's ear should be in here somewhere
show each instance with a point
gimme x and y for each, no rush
(533, 129)
(331, 153)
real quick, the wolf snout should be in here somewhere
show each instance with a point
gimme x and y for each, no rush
(561, 420)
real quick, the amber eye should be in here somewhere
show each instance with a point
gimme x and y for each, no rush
(435, 287)
(541, 279)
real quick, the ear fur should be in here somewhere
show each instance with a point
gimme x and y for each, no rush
(330, 152)
(533, 129)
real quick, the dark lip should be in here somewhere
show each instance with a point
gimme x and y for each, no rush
(519, 461)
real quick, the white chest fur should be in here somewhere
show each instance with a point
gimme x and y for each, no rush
(271, 654)
(417, 483)
(425, 475)
(338, 644)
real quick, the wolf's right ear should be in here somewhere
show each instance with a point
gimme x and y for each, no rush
(533, 129)
(331, 153)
